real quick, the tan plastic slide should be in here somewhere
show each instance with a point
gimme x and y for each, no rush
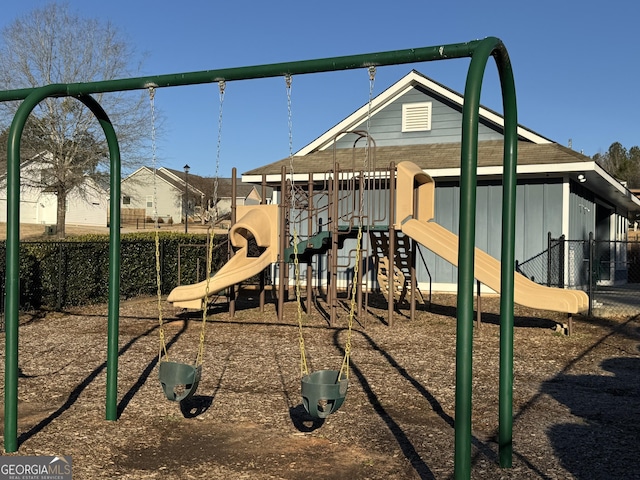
(417, 222)
(260, 222)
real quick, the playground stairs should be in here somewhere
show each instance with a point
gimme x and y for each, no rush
(396, 281)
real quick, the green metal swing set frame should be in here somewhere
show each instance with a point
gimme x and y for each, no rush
(478, 50)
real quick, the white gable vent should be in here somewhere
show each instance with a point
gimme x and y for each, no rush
(416, 117)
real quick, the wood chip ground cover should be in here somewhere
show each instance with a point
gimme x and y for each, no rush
(576, 398)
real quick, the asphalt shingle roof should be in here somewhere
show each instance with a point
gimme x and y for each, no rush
(205, 184)
(429, 156)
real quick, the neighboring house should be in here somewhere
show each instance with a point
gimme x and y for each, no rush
(245, 195)
(147, 194)
(559, 192)
(40, 206)
(142, 189)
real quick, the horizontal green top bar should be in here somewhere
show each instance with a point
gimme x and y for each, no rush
(396, 57)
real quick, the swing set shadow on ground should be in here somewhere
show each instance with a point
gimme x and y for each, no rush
(246, 419)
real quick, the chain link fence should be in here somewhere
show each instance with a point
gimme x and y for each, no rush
(608, 271)
(546, 268)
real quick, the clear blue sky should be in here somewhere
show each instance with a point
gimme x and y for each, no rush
(576, 66)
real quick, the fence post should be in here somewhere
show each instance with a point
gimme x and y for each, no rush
(590, 267)
(548, 259)
(60, 276)
(561, 258)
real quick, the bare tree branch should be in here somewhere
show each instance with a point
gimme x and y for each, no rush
(55, 45)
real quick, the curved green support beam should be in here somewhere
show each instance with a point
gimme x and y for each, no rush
(115, 174)
(12, 303)
(351, 62)
(468, 181)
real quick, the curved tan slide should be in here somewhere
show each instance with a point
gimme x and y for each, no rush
(260, 222)
(444, 243)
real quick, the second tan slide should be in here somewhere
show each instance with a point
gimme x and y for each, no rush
(415, 209)
(487, 270)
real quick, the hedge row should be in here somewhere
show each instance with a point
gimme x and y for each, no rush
(55, 274)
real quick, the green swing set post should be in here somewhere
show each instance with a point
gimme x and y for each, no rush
(478, 50)
(464, 336)
(13, 257)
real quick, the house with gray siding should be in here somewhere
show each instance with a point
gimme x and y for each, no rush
(167, 187)
(147, 193)
(560, 192)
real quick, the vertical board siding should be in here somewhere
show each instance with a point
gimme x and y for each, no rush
(582, 212)
(537, 213)
(534, 219)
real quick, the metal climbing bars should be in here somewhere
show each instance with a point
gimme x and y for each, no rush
(478, 50)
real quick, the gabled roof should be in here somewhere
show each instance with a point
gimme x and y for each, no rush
(23, 164)
(405, 84)
(179, 178)
(205, 184)
(537, 155)
(201, 185)
(242, 189)
(98, 181)
(171, 177)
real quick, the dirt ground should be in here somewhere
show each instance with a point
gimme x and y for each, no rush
(576, 398)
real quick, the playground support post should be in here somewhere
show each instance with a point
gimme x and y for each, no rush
(310, 225)
(263, 201)
(362, 220)
(392, 237)
(334, 196)
(590, 269)
(234, 219)
(282, 263)
(412, 268)
(468, 182)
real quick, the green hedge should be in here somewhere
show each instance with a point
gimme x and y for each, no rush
(76, 271)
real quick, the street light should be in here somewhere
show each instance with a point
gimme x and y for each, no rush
(186, 198)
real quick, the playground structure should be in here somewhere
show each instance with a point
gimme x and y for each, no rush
(479, 51)
(329, 221)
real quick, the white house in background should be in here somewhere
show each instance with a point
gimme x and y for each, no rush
(142, 189)
(38, 206)
(246, 194)
(145, 194)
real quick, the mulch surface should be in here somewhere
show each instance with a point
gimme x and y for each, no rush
(576, 399)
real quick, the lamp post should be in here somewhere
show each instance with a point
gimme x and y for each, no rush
(186, 198)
